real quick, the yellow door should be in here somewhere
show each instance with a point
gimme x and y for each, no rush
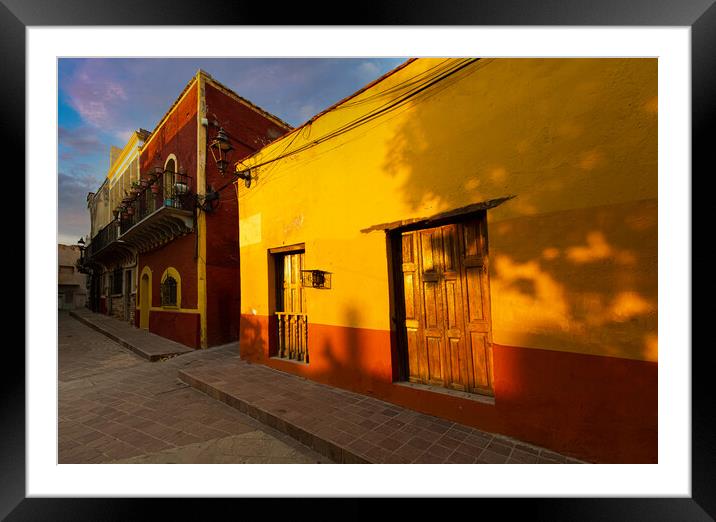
(144, 289)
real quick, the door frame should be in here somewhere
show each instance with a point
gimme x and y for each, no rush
(145, 298)
(397, 290)
(275, 272)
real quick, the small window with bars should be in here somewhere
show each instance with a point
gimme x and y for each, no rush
(169, 292)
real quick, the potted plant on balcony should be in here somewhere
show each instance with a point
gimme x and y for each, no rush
(155, 187)
(143, 183)
(181, 188)
(136, 188)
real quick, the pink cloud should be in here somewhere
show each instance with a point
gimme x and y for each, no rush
(95, 96)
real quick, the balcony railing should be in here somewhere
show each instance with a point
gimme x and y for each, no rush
(169, 190)
(166, 205)
(292, 336)
(104, 237)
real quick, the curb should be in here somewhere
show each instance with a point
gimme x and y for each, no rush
(119, 340)
(325, 447)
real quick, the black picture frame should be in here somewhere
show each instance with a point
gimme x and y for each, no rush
(699, 15)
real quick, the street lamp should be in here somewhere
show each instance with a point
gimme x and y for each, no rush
(81, 244)
(220, 149)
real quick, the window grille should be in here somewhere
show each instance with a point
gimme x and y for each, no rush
(169, 292)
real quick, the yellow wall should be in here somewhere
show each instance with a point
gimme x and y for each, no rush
(573, 257)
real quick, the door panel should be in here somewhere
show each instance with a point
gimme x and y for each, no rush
(446, 306)
(413, 363)
(409, 285)
(293, 295)
(473, 277)
(435, 364)
(431, 318)
(480, 359)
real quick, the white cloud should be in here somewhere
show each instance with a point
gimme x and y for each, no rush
(306, 112)
(368, 70)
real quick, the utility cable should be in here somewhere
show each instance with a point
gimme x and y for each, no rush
(361, 120)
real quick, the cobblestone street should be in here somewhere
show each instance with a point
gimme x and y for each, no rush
(115, 407)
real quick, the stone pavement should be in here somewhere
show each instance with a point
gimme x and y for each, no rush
(117, 407)
(148, 345)
(152, 412)
(352, 428)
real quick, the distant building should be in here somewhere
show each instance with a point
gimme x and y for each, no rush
(112, 264)
(71, 284)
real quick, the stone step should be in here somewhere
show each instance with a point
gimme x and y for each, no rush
(145, 344)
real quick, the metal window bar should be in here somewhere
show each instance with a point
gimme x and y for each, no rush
(176, 189)
(292, 336)
(169, 292)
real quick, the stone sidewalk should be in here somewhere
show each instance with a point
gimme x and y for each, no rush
(352, 428)
(148, 345)
(343, 426)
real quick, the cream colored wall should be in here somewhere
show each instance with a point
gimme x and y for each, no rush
(572, 257)
(123, 169)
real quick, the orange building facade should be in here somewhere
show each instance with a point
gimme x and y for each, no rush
(473, 239)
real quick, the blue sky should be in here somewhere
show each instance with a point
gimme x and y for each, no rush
(101, 101)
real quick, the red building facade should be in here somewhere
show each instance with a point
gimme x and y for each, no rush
(184, 217)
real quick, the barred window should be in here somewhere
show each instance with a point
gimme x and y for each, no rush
(169, 292)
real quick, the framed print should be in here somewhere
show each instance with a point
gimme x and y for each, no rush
(657, 476)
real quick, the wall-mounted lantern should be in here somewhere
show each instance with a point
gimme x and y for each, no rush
(220, 149)
(81, 244)
(246, 176)
(315, 279)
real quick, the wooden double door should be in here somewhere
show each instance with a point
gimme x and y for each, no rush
(446, 313)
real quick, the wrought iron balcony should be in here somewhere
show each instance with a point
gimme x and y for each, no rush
(103, 238)
(158, 212)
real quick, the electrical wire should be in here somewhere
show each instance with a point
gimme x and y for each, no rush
(368, 117)
(383, 109)
(247, 195)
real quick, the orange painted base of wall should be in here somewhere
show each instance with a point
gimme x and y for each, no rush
(599, 409)
(180, 327)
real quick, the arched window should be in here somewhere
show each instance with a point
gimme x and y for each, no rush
(169, 292)
(170, 288)
(170, 168)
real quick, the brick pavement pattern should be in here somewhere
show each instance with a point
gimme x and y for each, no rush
(352, 428)
(115, 405)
